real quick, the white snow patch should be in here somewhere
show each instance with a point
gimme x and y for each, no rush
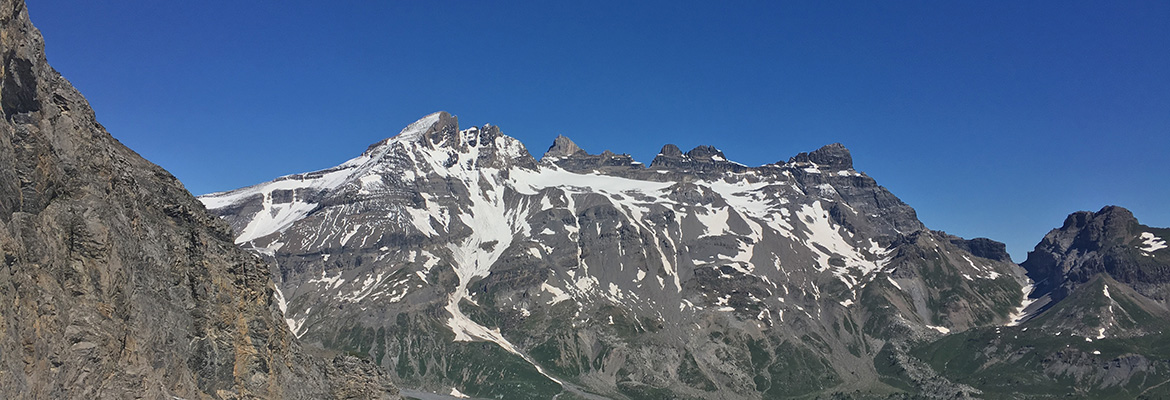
(558, 294)
(941, 329)
(328, 282)
(895, 283)
(821, 231)
(1018, 315)
(530, 182)
(295, 325)
(614, 291)
(349, 234)
(368, 285)
(280, 302)
(722, 300)
(713, 221)
(1151, 243)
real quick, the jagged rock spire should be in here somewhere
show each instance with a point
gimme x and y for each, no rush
(706, 152)
(670, 150)
(562, 147)
(701, 159)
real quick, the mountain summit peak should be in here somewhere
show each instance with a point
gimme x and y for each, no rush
(424, 128)
(701, 159)
(706, 152)
(562, 147)
(834, 156)
(433, 127)
(670, 150)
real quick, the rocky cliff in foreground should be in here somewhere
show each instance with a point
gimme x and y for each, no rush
(115, 283)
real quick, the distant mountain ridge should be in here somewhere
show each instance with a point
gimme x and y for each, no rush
(693, 277)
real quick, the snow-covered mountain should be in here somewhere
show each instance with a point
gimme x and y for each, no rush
(456, 260)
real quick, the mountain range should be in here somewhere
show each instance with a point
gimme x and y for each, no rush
(453, 263)
(582, 274)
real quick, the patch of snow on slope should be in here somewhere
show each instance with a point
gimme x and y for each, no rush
(349, 234)
(1018, 316)
(714, 222)
(895, 283)
(368, 285)
(421, 217)
(369, 183)
(328, 282)
(274, 218)
(746, 198)
(293, 325)
(990, 272)
(558, 294)
(630, 190)
(823, 232)
(1151, 243)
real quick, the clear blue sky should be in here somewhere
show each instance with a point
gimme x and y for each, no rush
(992, 119)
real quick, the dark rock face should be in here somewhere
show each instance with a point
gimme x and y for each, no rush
(982, 247)
(700, 160)
(670, 151)
(562, 147)
(834, 156)
(565, 154)
(1110, 241)
(114, 281)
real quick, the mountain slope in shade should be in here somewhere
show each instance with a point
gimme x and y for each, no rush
(115, 283)
(1098, 324)
(454, 259)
